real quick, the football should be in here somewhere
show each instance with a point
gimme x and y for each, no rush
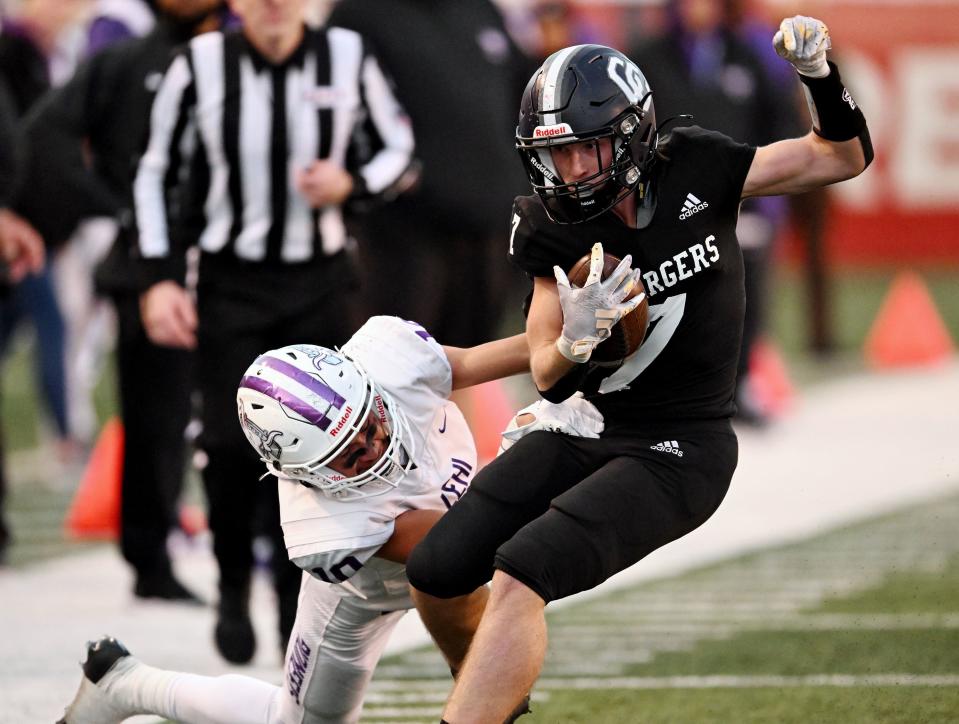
(628, 333)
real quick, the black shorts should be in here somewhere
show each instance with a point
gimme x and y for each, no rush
(562, 514)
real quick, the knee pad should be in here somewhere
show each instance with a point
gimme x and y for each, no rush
(456, 556)
(435, 569)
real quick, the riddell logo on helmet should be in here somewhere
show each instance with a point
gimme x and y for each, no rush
(549, 131)
(339, 426)
(549, 175)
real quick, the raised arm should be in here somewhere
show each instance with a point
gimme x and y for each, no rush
(838, 147)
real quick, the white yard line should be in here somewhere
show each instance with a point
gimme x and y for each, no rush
(747, 682)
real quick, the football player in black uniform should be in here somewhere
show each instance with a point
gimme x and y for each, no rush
(556, 515)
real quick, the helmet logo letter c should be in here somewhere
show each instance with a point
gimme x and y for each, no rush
(627, 76)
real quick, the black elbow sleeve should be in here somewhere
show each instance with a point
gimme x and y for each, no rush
(835, 114)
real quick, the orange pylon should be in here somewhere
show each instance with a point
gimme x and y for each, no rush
(192, 520)
(769, 378)
(491, 410)
(95, 510)
(907, 330)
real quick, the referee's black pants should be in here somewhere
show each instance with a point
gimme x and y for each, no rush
(155, 386)
(245, 310)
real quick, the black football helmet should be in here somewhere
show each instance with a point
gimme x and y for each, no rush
(581, 93)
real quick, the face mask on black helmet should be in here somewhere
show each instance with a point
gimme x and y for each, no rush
(587, 93)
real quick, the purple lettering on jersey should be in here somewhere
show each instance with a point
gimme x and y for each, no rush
(461, 471)
(296, 669)
(458, 483)
(288, 399)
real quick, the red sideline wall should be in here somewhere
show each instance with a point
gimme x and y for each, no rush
(900, 58)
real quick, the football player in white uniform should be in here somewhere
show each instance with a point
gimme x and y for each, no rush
(368, 452)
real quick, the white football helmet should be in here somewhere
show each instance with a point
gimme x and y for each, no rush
(301, 406)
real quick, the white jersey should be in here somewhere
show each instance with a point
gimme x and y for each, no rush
(336, 540)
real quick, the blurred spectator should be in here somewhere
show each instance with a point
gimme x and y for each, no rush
(21, 250)
(264, 119)
(89, 321)
(30, 44)
(437, 254)
(116, 20)
(703, 68)
(21, 247)
(86, 137)
(559, 24)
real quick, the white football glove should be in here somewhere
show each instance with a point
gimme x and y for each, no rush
(590, 312)
(803, 41)
(576, 416)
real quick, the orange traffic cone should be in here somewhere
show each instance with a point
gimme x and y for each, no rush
(95, 510)
(769, 378)
(490, 411)
(192, 520)
(908, 329)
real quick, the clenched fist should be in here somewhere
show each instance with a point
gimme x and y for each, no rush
(803, 41)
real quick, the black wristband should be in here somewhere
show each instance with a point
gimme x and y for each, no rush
(567, 385)
(835, 115)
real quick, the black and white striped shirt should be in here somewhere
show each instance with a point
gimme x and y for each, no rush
(218, 114)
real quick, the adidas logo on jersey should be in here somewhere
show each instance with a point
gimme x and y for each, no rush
(670, 446)
(691, 206)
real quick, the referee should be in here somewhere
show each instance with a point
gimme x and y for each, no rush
(264, 124)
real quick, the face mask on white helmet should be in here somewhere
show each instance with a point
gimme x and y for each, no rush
(301, 406)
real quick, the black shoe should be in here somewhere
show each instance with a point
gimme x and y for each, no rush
(101, 656)
(165, 587)
(233, 634)
(521, 708)
(93, 705)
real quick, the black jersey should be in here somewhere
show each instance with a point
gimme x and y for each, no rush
(693, 273)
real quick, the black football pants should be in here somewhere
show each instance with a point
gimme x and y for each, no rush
(562, 514)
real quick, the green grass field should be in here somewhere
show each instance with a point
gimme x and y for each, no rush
(856, 626)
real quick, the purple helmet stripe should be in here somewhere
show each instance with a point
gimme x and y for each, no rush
(284, 397)
(307, 380)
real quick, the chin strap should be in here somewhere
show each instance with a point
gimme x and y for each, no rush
(646, 190)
